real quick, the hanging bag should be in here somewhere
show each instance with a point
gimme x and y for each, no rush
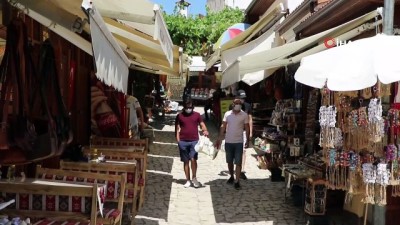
(22, 129)
(29, 132)
(12, 71)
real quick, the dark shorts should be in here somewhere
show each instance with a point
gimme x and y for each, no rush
(186, 150)
(234, 153)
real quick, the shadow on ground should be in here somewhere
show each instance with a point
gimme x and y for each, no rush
(156, 203)
(160, 163)
(147, 222)
(262, 202)
(160, 122)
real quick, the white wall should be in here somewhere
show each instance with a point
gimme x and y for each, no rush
(215, 5)
(218, 5)
(293, 4)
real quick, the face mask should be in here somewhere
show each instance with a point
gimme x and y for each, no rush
(237, 107)
(188, 111)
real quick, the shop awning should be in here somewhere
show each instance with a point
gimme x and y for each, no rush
(112, 65)
(143, 48)
(142, 15)
(270, 17)
(271, 60)
(262, 43)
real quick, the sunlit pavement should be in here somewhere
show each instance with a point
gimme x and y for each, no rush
(260, 201)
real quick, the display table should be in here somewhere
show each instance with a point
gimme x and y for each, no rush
(37, 198)
(293, 173)
(129, 168)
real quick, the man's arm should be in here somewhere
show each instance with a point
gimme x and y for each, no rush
(249, 111)
(204, 128)
(139, 113)
(221, 133)
(177, 129)
(222, 130)
(247, 129)
(250, 126)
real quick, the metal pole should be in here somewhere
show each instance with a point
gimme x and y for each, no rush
(388, 17)
(379, 212)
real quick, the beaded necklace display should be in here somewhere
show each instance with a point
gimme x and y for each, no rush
(327, 121)
(393, 156)
(353, 160)
(382, 181)
(376, 123)
(369, 178)
(358, 137)
(337, 171)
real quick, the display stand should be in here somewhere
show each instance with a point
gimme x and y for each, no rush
(315, 197)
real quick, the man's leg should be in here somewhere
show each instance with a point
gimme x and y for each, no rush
(185, 158)
(193, 159)
(186, 169)
(238, 170)
(193, 164)
(229, 161)
(230, 168)
(242, 174)
(238, 161)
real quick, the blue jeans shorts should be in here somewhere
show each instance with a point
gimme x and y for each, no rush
(186, 150)
(234, 153)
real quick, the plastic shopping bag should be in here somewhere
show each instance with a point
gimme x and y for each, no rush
(203, 140)
(206, 147)
(210, 150)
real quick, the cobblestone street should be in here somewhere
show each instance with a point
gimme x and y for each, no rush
(260, 201)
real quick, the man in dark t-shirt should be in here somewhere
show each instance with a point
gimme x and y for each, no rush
(187, 136)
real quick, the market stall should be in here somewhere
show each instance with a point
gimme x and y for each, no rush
(358, 122)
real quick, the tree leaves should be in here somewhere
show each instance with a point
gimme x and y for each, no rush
(195, 32)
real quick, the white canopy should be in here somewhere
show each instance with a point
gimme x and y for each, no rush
(274, 58)
(274, 13)
(149, 51)
(112, 65)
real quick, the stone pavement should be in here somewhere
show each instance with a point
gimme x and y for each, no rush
(260, 201)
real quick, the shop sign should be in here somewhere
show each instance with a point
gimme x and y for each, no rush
(333, 42)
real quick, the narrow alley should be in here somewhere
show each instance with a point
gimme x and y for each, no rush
(260, 201)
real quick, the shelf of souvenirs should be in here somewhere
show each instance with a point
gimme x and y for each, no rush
(313, 161)
(262, 108)
(267, 118)
(298, 170)
(268, 149)
(200, 93)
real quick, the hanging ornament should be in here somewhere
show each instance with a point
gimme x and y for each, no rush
(376, 123)
(382, 179)
(327, 121)
(369, 178)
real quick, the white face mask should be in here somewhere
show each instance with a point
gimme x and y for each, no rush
(237, 107)
(188, 111)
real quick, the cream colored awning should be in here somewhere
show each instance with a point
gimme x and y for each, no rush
(112, 65)
(144, 49)
(275, 12)
(271, 60)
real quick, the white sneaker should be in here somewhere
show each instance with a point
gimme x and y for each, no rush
(196, 184)
(188, 184)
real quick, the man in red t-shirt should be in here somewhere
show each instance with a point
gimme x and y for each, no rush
(187, 136)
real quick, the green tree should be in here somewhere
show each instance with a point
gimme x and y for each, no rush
(195, 33)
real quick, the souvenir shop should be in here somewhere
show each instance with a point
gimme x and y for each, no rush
(333, 149)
